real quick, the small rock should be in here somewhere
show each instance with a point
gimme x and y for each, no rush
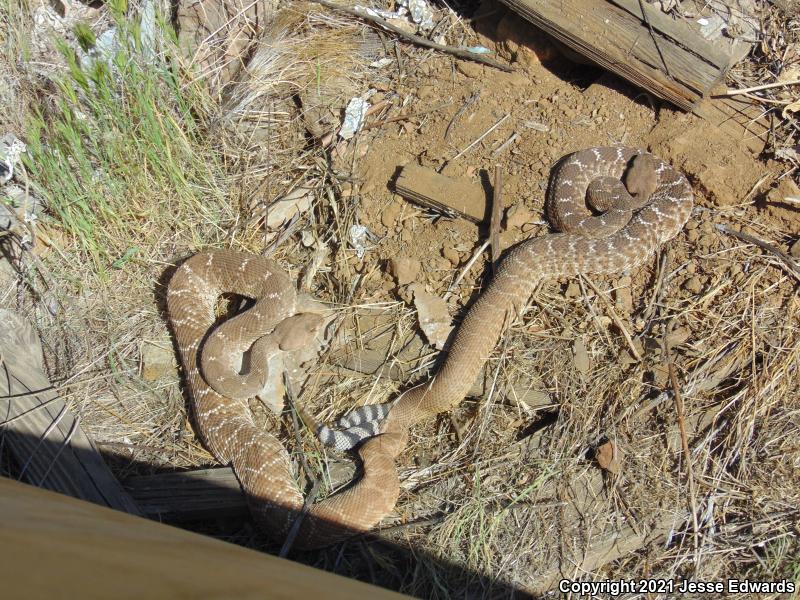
(470, 69)
(786, 188)
(692, 235)
(434, 318)
(280, 211)
(581, 358)
(608, 457)
(795, 249)
(439, 264)
(452, 255)
(573, 290)
(777, 203)
(706, 241)
(157, 361)
(693, 285)
(389, 215)
(404, 270)
(519, 217)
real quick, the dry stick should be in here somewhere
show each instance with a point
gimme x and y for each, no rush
(312, 495)
(415, 39)
(685, 445)
(658, 289)
(466, 268)
(617, 320)
(406, 117)
(506, 144)
(497, 209)
(591, 309)
(653, 35)
(758, 88)
(460, 112)
(794, 268)
(465, 150)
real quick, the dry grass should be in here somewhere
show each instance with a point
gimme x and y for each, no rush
(776, 60)
(139, 169)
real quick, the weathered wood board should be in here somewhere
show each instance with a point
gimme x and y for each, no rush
(439, 192)
(59, 547)
(193, 495)
(43, 436)
(672, 62)
(669, 57)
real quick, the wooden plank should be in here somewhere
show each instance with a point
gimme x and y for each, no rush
(194, 495)
(445, 194)
(43, 436)
(673, 61)
(58, 547)
(715, 19)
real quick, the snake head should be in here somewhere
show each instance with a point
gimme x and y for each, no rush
(641, 178)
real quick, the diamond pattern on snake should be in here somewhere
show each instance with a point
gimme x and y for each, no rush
(614, 207)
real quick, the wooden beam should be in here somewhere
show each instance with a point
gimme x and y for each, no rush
(43, 436)
(59, 547)
(445, 194)
(664, 56)
(194, 495)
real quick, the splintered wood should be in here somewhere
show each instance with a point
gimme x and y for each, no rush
(40, 432)
(669, 57)
(444, 194)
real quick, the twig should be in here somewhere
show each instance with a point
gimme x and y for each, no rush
(459, 113)
(497, 211)
(483, 135)
(512, 138)
(794, 268)
(655, 40)
(381, 534)
(679, 408)
(758, 88)
(657, 289)
(415, 39)
(617, 320)
(406, 117)
(312, 495)
(466, 268)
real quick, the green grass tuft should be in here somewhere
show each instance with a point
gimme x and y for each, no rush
(122, 156)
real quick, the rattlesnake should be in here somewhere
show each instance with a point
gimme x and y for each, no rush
(621, 238)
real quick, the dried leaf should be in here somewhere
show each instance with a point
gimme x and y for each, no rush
(607, 457)
(791, 108)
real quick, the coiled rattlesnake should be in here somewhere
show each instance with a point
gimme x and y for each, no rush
(650, 208)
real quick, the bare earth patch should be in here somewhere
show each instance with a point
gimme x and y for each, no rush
(571, 463)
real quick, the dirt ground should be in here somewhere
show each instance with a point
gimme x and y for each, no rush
(513, 491)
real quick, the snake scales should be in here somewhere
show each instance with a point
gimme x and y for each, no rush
(636, 216)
